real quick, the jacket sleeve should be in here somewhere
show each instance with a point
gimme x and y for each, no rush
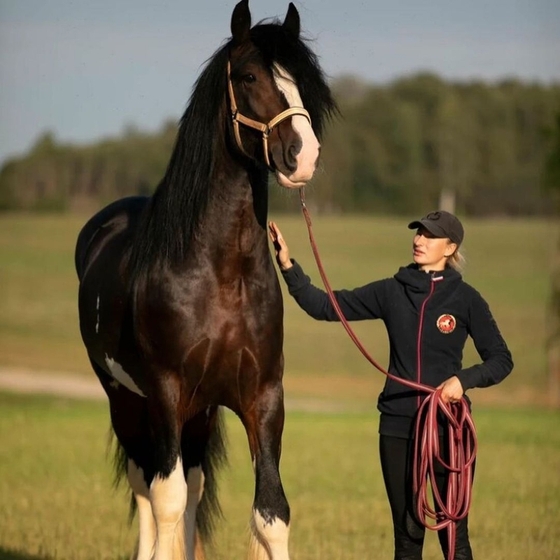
(496, 358)
(356, 305)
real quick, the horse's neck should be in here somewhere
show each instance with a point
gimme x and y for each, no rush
(234, 225)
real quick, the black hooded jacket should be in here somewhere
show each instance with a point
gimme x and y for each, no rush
(428, 317)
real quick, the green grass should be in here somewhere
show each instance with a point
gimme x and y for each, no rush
(508, 262)
(38, 302)
(58, 502)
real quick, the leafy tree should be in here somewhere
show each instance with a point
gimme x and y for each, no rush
(400, 148)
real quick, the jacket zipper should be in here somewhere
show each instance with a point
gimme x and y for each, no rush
(434, 279)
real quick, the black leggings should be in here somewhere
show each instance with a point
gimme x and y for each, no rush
(396, 463)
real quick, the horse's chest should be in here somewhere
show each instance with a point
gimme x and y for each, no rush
(234, 320)
(230, 319)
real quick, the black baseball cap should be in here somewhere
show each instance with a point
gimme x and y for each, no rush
(441, 224)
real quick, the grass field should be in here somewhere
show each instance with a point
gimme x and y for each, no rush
(508, 262)
(57, 499)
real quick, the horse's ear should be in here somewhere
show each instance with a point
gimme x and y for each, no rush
(241, 22)
(291, 23)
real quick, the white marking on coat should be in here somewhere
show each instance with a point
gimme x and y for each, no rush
(121, 376)
(307, 157)
(274, 533)
(97, 323)
(146, 522)
(169, 500)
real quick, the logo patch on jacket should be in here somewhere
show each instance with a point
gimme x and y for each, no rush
(446, 323)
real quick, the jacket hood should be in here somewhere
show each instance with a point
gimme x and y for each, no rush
(419, 280)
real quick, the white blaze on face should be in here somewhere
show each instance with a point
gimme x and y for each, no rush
(307, 157)
(121, 376)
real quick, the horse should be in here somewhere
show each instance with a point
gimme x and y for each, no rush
(180, 307)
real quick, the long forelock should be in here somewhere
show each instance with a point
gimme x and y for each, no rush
(279, 46)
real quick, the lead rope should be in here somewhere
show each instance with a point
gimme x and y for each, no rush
(461, 436)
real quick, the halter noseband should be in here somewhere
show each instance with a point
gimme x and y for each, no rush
(266, 129)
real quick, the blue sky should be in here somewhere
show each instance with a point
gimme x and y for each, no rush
(86, 69)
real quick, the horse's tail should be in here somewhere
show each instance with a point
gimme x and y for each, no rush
(209, 510)
(120, 468)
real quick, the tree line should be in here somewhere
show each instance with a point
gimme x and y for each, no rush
(415, 143)
(551, 182)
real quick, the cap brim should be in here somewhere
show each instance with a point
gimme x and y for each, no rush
(432, 227)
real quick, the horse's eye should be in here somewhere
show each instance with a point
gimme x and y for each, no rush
(249, 78)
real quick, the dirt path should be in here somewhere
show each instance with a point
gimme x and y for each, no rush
(20, 380)
(60, 384)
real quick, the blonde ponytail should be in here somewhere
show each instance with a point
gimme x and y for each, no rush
(457, 261)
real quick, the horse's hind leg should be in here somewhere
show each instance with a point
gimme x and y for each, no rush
(271, 512)
(149, 434)
(147, 525)
(129, 419)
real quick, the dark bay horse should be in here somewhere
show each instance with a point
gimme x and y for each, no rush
(180, 307)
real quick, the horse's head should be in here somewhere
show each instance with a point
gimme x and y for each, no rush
(277, 95)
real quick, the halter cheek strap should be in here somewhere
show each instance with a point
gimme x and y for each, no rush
(265, 129)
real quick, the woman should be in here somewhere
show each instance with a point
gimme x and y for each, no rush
(428, 311)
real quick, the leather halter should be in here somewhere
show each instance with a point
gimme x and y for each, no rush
(237, 119)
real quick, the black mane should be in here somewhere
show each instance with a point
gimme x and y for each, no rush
(179, 202)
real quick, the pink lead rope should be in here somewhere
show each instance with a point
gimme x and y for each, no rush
(461, 436)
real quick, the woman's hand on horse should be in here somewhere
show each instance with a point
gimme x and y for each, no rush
(451, 390)
(280, 246)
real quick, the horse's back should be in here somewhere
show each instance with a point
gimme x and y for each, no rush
(119, 216)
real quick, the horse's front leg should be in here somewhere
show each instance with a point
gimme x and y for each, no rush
(168, 489)
(271, 512)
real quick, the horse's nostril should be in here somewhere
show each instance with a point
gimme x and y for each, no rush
(291, 155)
(293, 151)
